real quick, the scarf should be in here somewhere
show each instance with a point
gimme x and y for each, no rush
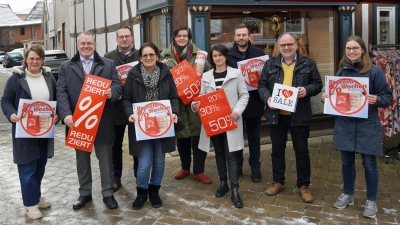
(182, 54)
(151, 82)
(125, 56)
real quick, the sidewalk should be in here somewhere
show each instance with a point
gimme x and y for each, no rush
(190, 202)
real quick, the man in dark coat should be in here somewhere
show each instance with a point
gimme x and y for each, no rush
(123, 54)
(70, 82)
(292, 69)
(242, 50)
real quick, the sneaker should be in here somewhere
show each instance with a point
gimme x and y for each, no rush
(202, 178)
(33, 212)
(343, 201)
(182, 174)
(43, 204)
(256, 176)
(370, 209)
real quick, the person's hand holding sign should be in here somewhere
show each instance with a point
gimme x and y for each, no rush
(302, 92)
(269, 104)
(108, 93)
(174, 118)
(324, 96)
(56, 119)
(234, 116)
(371, 99)
(196, 105)
(14, 118)
(131, 118)
(69, 122)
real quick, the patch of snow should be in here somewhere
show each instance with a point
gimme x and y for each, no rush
(389, 211)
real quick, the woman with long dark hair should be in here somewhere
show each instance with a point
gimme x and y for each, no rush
(225, 144)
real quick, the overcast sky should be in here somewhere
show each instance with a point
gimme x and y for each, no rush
(19, 5)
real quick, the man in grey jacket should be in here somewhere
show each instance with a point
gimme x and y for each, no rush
(70, 82)
(123, 54)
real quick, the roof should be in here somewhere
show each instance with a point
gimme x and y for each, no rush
(7, 16)
(36, 12)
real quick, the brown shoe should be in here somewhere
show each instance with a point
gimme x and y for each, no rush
(305, 194)
(117, 184)
(275, 189)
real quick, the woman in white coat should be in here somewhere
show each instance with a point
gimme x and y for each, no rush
(225, 144)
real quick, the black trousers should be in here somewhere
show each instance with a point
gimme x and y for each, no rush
(299, 136)
(199, 156)
(117, 152)
(224, 157)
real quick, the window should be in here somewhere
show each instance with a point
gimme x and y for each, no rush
(158, 31)
(216, 28)
(295, 26)
(385, 24)
(22, 30)
(255, 26)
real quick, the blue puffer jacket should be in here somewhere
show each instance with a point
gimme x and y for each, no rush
(359, 134)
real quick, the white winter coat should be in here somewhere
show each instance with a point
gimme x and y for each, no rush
(236, 92)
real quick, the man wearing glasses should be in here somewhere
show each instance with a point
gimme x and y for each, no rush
(292, 69)
(70, 82)
(123, 54)
(243, 49)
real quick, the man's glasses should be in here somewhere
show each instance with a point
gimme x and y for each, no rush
(124, 36)
(86, 44)
(289, 45)
(151, 56)
(355, 49)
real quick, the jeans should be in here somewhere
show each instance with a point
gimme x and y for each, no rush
(349, 174)
(299, 136)
(31, 175)
(253, 137)
(117, 152)
(199, 157)
(223, 157)
(151, 159)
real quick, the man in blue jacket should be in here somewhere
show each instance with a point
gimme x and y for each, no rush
(242, 50)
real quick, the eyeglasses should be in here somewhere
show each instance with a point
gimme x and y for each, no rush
(35, 59)
(151, 56)
(182, 36)
(124, 36)
(355, 49)
(86, 44)
(289, 45)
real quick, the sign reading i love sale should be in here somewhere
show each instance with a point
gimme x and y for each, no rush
(87, 114)
(284, 97)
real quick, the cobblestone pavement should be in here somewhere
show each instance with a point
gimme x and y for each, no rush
(190, 202)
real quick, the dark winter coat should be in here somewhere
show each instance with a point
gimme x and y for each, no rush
(70, 82)
(255, 107)
(305, 75)
(25, 150)
(118, 109)
(359, 134)
(135, 92)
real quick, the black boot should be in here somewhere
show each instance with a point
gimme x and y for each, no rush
(222, 190)
(237, 202)
(141, 198)
(154, 197)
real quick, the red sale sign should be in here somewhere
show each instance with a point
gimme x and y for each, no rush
(187, 82)
(88, 113)
(214, 111)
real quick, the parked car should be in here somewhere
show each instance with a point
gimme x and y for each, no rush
(20, 50)
(53, 59)
(2, 53)
(12, 59)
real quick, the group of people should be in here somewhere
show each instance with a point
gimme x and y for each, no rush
(151, 80)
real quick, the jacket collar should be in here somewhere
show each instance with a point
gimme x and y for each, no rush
(237, 52)
(229, 75)
(21, 70)
(96, 58)
(135, 72)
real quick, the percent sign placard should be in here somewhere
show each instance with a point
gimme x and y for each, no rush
(87, 114)
(187, 82)
(214, 113)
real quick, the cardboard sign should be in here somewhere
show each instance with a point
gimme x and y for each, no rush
(35, 119)
(284, 97)
(214, 111)
(123, 70)
(153, 120)
(251, 71)
(187, 82)
(346, 96)
(88, 112)
(200, 62)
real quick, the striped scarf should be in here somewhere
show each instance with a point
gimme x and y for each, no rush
(182, 54)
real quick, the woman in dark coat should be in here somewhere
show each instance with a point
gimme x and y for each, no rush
(358, 135)
(149, 81)
(30, 81)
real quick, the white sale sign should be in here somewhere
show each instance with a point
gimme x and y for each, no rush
(284, 97)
